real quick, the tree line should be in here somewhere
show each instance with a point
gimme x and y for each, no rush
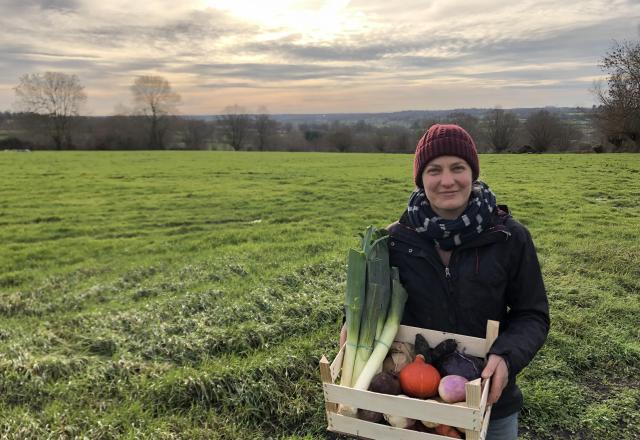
(498, 131)
(49, 117)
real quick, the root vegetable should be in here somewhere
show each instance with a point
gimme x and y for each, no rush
(451, 388)
(385, 383)
(399, 422)
(422, 347)
(369, 416)
(448, 431)
(443, 349)
(430, 425)
(400, 355)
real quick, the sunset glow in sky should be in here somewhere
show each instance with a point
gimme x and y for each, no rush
(314, 56)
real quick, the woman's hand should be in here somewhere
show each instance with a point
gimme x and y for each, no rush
(497, 370)
(343, 335)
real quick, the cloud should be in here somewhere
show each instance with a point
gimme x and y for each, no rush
(354, 50)
(396, 49)
(193, 30)
(24, 59)
(278, 72)
(563, 85)
(231, 85)
(22, 5)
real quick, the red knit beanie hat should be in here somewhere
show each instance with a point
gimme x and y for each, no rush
(444, 140)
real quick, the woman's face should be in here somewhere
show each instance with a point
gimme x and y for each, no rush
(447, 183)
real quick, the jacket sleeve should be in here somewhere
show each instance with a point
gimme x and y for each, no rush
(527, 321)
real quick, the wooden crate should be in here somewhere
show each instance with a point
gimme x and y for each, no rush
(472, 416)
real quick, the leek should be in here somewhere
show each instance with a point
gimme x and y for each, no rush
(378, 290)
(388, 335)
(381, 274)
(354, 301)
(368, 324)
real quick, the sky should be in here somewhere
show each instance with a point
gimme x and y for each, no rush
(312, 56)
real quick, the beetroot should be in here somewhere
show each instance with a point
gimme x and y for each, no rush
(385, 383)
(451, 388)
(422, 347)
(369, 416)
(442, 350)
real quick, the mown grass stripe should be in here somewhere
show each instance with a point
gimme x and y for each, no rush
(130, 270)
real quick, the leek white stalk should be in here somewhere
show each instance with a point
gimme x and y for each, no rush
(398, 300)
(378, 291)
(368, 324)
(354, 302)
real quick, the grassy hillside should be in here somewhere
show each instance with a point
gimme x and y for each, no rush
(191, 294)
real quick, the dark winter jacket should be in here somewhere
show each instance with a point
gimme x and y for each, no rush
(496, 276)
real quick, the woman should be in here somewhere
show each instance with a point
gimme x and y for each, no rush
(464, 260)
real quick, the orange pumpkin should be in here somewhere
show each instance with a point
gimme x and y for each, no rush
(419, 379)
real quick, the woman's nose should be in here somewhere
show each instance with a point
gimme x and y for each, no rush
(447, 179)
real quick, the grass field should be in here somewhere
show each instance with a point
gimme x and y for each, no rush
(191, 294)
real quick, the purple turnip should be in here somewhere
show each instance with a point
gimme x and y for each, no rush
(451, 388)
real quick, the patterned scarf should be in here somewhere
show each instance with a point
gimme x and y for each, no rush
(448, 234)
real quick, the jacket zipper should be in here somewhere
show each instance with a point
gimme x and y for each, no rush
(452, 318)
(447, 270)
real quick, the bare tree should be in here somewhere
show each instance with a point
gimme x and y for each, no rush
(119, 132)
(313, 134)
(378, 141)
(265, 127)
(619, 113)
(568, 136)
(501, 129)
(235, 125)
(469, 122)
(56, 95)
(340, 137)
(154, 98)
(609, 122)
(196, 133)
(544, 129)
(401, 141)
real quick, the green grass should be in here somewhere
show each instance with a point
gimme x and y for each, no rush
(177, 295)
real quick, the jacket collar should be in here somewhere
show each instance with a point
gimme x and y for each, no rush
(497, 232)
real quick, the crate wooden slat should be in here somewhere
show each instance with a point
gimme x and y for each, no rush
(485, 395)
(368, 430)
(485, 424)
(446, 414)
(473, 398)
(492, 335)
(337, 363)
(325, 374)
(471, 416)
